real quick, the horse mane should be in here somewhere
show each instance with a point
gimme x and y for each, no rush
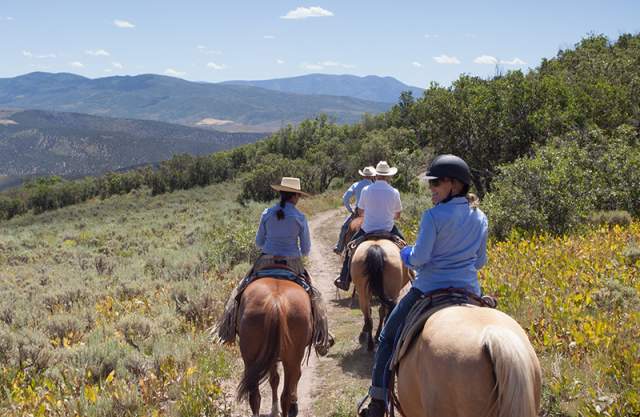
(258, 371)
(374, 269)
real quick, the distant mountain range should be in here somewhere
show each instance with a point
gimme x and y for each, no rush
(371, 87)
(154, 97)
(35, 142)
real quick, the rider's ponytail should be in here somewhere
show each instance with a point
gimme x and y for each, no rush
(284, 197)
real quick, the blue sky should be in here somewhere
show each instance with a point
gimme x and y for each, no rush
(416, 42)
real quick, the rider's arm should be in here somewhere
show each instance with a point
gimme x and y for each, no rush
(421, 253)
(346, 198)
(305, 238)
(261, 235)
(481, 259)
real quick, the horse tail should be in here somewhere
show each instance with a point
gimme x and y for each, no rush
(256, 372)
(374, 269)
(514, 370)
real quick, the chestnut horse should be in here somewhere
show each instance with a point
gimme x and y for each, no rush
(275, 324)
(469, 361)
(376, 269)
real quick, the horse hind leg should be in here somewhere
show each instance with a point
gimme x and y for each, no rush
(289, 400)
(274, 381)
(254, 401)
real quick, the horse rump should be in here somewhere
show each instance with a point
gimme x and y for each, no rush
(374, 269)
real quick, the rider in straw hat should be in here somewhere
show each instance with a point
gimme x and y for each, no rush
(381, 206)
(368, 174)
(450, 248)
(283, 236)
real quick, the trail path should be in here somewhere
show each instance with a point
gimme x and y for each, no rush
(323, 379)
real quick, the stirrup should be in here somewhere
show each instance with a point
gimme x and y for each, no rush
(344, 286)
(361, 403)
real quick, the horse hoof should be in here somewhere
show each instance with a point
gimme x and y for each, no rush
(293, 410)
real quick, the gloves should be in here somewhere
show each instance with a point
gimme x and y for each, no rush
(405, 253)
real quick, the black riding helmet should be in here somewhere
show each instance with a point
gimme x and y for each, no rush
(449, 166)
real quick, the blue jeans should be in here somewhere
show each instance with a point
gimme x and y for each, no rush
(393, 326)
(343, 231)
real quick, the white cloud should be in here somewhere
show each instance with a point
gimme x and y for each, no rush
(268, 37)
(29, 54)
(416, 64)
(486, 60)
(215, 66)
(446, 59)
(335, 64)
(97, 52)
(206, 51)
(312, 67)
(108, 70)
(7, 18)
(514, 61)
(117, 65)
(123, 24)
(430, 36)
(174, 73)
(279, 61)
(76, 64)
(305, 12)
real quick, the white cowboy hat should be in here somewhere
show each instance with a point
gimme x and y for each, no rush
(291, 185)
(385, 170)
(367, 171)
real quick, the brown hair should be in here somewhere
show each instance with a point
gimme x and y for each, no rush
(284, 197)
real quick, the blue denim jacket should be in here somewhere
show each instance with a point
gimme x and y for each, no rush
(286, 237)
(451, 247)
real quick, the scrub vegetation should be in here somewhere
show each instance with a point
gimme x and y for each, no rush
(106, 304)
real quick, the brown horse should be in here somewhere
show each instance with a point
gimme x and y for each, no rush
(275, 324)
(470, 361)
(376, 269)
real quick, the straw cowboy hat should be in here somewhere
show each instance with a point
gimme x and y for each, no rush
(290, 185)
(385, 170)
(367, 171)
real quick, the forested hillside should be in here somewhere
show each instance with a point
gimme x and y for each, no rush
(37, 142)
(547, 147)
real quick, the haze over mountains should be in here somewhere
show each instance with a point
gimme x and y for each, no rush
(36, 142)
(371, 87)
(155, 97)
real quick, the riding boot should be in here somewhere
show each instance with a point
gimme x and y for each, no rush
(343, 281)
(376, 408)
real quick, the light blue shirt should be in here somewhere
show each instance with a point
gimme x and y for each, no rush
(451, 247)
(354, 190)
(286, 237)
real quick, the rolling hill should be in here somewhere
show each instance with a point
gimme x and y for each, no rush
(36, 142)
(167, 99)
(371, 87)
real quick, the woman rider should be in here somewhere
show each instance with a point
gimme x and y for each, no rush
(450, 249)
(283, 236)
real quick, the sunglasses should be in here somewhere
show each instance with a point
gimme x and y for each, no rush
(435, 182)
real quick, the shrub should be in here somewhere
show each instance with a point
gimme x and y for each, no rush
(610, 218)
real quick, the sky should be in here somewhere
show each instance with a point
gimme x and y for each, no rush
(417, 42)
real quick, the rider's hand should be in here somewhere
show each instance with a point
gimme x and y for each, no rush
(405, 253)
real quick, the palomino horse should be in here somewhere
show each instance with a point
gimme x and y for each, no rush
(275, 324)
(376, 269)
(470, 361)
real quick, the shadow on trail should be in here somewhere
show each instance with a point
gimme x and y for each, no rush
(358, 362)
(345, 301)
